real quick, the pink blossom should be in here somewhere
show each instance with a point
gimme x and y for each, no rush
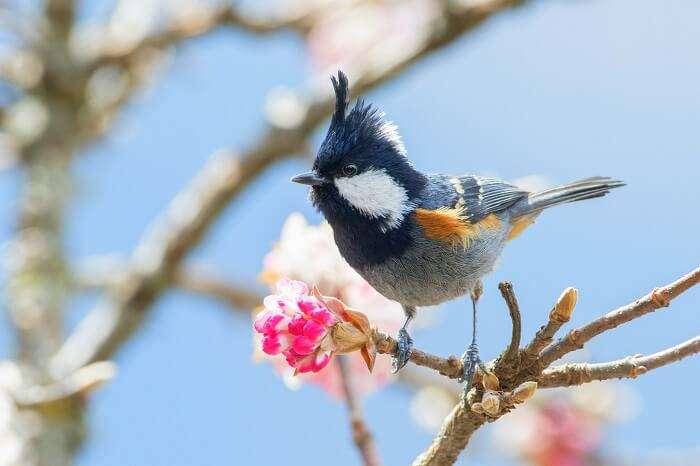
(308, 253)
(298, 326)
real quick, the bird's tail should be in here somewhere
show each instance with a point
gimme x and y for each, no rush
(589, 188)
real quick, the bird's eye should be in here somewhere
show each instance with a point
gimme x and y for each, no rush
(350, 170)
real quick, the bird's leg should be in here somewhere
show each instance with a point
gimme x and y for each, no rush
(471, 359)
(404, 345)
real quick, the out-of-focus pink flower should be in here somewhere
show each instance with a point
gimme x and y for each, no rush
(567, 436)
(308, 328)
(308, 253)
(564, 428)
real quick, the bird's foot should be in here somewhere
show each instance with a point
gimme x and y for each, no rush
(404, 348)
(470, 362)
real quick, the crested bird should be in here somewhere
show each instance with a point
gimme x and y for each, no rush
(418, 239)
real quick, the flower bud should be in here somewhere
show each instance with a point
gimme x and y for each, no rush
(478, 408)
(565, 305)
(491, 382)
(524, 392)
(347, 338)
(491, 403)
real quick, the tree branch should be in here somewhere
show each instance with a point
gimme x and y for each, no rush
(360, 433)
(628, 368)
(658, 298)
(195, 25)
(450, 367)
(469, 416)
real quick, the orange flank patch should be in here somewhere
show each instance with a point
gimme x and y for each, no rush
(518, 225)
(450, 226)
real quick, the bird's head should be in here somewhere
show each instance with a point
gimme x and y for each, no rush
(361, 173)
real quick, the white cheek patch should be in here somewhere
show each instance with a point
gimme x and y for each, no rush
(376, 194)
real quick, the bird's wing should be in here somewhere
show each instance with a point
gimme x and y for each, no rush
(480, 196)
(461, 208)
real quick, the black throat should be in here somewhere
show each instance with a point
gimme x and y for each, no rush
(360, 239)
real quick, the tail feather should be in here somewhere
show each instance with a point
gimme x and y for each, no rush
(588, 188)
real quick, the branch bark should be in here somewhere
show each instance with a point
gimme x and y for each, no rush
(627, 368)
(658, 298)
(469, 416)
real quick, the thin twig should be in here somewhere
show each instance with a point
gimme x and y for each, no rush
(559, 315)
(658, 298)
(630, 367)
(361, 435)
(510, 358)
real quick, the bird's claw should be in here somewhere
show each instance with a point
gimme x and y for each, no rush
(404, 348)
(470, 361)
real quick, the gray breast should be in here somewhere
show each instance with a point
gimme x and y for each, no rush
(431, 272)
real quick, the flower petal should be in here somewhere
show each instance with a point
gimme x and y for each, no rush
(260, 319)
(276, 303)
(296, 325)
(309, 304)
(321, 360)
(305, 364)
(272, 345)
(292, 288)
(303, 345)
(314, 330)
(323, 316)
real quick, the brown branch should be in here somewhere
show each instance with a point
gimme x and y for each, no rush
(658, 298)
(450, 367)
(118, 316)
(630, 367)
(464, 419)
(361, 435)
(509, 360)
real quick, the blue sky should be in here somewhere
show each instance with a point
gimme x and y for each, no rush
(561, 89)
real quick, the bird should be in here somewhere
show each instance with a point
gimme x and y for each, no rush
(418, 239)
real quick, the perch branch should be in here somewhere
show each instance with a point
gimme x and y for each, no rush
(630, 367)
(463, 421)
(450, 367)
(360, 433)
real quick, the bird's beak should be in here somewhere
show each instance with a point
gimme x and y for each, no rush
(310, 179)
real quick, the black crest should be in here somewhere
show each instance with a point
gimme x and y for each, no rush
(362, 132)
